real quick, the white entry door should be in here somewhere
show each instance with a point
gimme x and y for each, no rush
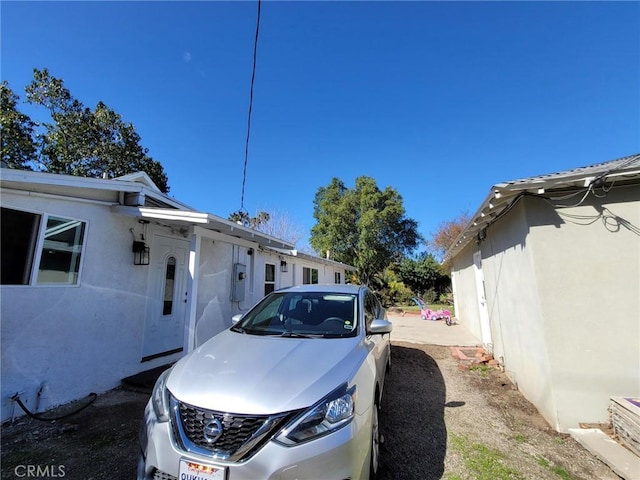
(166, 298)
(485, 327)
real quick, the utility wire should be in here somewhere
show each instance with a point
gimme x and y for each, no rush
(253, 76)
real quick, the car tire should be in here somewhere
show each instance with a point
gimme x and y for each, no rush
(374, 464)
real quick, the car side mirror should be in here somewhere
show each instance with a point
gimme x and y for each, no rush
(380, 327)
(236, 318)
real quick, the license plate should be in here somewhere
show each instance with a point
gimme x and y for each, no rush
(196, 471)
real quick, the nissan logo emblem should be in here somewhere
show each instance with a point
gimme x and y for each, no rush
(212, 431)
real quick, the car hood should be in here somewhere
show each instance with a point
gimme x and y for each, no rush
(241, 373)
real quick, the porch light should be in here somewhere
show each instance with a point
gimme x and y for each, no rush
(283, 266)
(140, 253)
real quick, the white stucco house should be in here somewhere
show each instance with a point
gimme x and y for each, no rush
(547, 274)
(103, 279)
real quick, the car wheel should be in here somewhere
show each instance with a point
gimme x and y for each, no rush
(375, 443)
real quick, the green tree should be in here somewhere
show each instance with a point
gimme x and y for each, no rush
(365, 227)
(84, 142)
(423, 274)
(16, 132)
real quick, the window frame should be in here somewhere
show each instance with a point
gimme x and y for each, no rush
(39, 245)
(311, 270)
(271, 283)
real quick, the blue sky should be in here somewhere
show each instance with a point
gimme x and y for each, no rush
(440, 100)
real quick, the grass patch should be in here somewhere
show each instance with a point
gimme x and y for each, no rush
(557, 469)
(520, 438)
(483, 462)
(481, 368)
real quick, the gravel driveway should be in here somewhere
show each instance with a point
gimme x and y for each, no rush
(438, 421)
(443, 422)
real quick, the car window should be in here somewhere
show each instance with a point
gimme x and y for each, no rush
(373, 307)
(317, 314)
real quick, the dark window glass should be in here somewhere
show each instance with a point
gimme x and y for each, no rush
(18, 237)
(169, 278)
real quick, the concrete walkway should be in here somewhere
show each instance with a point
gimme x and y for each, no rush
(411, 328)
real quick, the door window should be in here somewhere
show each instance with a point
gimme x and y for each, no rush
(169, 279)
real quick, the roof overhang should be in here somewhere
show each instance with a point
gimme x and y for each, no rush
(83, 188)
(311, 258)
(181, 218)
(503, 195)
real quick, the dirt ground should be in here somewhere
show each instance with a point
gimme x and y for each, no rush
(439, 422)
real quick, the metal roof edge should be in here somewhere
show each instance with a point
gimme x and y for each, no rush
(502, 195)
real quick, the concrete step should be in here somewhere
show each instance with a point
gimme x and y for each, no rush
(622, 461)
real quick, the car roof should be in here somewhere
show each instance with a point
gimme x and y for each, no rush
(328, 287)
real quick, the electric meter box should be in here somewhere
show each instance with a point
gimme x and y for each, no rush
(239, 280)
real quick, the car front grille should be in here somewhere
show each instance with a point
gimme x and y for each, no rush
(241, 436)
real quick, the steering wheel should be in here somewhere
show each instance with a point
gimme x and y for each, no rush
(334, 323)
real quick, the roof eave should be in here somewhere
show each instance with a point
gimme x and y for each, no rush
(203, 220)
(503, 194)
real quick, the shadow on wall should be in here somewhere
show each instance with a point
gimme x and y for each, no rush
(211, 322)
(412, 418)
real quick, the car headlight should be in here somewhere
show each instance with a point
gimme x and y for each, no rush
(328, 415)
(160, 398)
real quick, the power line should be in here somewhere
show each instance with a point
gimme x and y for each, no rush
(253, 76)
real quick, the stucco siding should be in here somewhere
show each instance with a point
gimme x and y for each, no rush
(465, 298)
(214, 308)
(587, 267)
(517, 323)
(74, 339)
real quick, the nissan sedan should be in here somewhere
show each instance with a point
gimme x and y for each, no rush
(291, 391)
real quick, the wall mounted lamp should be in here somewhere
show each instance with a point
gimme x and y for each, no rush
(283, 266)
(140, 253)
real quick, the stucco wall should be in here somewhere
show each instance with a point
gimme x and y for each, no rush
(215, 307)
(517, 323)
(563, 292)
(465, 298)
(75, 339)
(587, 266)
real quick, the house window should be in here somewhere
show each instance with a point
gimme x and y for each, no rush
(169, 280)
(269, 278)
(60, 248)
(309, 275)
(19, 237)
(337, 277)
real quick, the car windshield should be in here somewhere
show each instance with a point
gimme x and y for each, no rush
(302, 314)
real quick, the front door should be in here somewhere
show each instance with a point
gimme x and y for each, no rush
(166, 298)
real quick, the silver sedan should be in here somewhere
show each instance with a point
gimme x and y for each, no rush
(291, 391)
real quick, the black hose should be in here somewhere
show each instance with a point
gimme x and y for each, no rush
(37, 416)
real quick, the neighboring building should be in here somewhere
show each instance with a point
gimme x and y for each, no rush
(547, 274)
(103, 279)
